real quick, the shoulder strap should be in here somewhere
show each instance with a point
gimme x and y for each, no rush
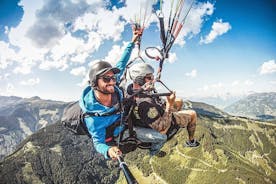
(130, 123)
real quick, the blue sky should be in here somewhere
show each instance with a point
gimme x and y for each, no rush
(226, 49)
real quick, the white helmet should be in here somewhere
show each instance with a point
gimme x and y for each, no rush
(140, 70)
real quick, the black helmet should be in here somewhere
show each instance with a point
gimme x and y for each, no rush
(98, 69)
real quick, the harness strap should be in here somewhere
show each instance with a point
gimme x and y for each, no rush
(109, 132)
(117, 111)
(173, 128)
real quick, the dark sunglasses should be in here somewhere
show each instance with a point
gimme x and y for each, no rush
(151, 77)
(107, 79)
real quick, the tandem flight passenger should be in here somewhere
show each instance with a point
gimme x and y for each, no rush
(150, 114)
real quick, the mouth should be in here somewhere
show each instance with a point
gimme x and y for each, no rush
(110, 86)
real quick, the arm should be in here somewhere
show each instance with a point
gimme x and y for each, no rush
(98, 136)
(107, 151)
(121, 64)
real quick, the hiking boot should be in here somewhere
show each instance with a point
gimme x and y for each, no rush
(193, 143)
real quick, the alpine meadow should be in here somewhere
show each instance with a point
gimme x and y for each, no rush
(145, 91)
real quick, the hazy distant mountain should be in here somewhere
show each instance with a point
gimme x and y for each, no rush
(258, 105)
(233, 150)
(20, 117)
(8, 100)
(219, 102)
(205, 109)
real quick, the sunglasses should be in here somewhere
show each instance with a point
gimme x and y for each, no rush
(107, 79)
(151, 77)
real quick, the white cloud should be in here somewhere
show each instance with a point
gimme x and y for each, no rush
(111, 27)
(217, 85)
(213, 90)
(194, 21)
(272, 82)
(80, 58)
(268, 67)
(140, 10)
(235, 83)
(22, 70)
(80, 71)
(60, 64)
(30, 82)
(84, 82)
(25, 66)
(218, 28)
(17, 35)
(91, 2)
(43, 37)
(92, 62)
(26, 53)
(222, 89)
(7, 55)
(192, 74)
(248, 83)
(108, 28)
(71, 49)
(6, 30)
(45, 33)
(85, 78)
(54, 18)
(116, 52)
(172, 57)
(7, 76)
(66, 47)
(10, 88)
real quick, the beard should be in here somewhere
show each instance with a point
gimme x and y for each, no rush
(108, 89)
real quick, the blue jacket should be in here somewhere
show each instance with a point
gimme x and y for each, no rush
(97, 124)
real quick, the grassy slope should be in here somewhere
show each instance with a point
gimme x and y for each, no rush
(233, 150)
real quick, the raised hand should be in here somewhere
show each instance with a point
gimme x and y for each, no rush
(137, 32)
(170, 101)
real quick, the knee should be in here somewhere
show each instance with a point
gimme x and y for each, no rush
(163, 138)
(193, 116)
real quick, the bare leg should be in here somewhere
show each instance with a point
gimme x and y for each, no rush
(192, 125)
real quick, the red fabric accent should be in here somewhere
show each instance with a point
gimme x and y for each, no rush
(108, 139)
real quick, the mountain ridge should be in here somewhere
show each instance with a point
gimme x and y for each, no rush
(233, 150)
(258, 106)
(20, 117)
(54, 155)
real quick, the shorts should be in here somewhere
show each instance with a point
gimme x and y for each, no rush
(183, 118)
